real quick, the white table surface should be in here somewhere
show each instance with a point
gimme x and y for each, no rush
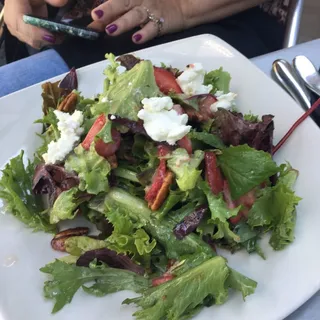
(311, 309)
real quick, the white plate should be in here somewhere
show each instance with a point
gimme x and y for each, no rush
(285, 280)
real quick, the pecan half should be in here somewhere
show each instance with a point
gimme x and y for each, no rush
(68, 104)
(58, 242)
(163, 192)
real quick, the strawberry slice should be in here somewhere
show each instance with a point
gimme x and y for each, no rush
(103, 149)
(108, 149)
(166, 81)
(94, 130)
(185, 143)
(159, 176)
(163, 279)
(247, 201)
(230, 203)
(213, 173)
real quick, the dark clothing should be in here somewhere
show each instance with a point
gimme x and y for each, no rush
(252, 32)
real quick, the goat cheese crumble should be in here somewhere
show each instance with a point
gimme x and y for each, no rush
(225, 101)
(70, 132)
(191, 80)
(161, 122)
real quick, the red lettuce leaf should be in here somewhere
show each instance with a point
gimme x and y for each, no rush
(234, 130)
(111, 258)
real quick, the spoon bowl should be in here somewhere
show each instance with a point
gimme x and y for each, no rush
(308, 73)
(286, 75)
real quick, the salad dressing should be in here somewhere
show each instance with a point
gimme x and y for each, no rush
(9, 261)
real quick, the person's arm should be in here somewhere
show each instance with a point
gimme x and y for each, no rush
(196, 12)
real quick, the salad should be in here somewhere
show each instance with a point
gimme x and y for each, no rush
(167, 172)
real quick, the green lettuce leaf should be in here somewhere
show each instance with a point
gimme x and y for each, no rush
(220, 214)
(185, 167)
(138, 147)
(184, 295)
(68, 278)
(50, 119)
(105, 133)
(178, 297)
(124, 97)
(92, 169)
(161, 231)
(224, 231)
(77, 246)
(51, 133)
(249, 238)
(173, 198)
(128, 237)
(16, 192)
(111, 71)
(125, 174)
(275, 210)
(239, 282)
(246, 168)
(207, 138)
(184, 100)
(180, 214)
(218, 208)
(68, 259)
(219, 79)
(251, 117)
(64, 208)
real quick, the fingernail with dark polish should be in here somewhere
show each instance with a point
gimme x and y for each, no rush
(99, 13)
(137, 37)
(112, 28)
(49, 38)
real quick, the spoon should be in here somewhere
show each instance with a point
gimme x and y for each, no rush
(286, 75)
(308, 73)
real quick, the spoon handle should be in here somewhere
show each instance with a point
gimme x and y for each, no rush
(286, 75)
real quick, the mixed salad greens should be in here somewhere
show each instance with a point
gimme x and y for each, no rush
(161, 209)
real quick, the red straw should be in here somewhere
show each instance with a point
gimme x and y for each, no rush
(296, 124)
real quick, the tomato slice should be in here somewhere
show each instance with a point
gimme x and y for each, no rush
(163, 279)
(166, 81)
(213, 173)
(108, 149)
(94, 130)
(185, 143)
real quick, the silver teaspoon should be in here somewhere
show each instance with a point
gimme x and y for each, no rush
(286, 75)
(308, 73)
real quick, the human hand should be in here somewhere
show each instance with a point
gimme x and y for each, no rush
(154, 17)
(33, 36)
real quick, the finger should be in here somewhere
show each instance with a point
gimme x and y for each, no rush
(110, 10)
(96, 25)
(31, 35)
(147, 33)
(57, 3)
(128, 21)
